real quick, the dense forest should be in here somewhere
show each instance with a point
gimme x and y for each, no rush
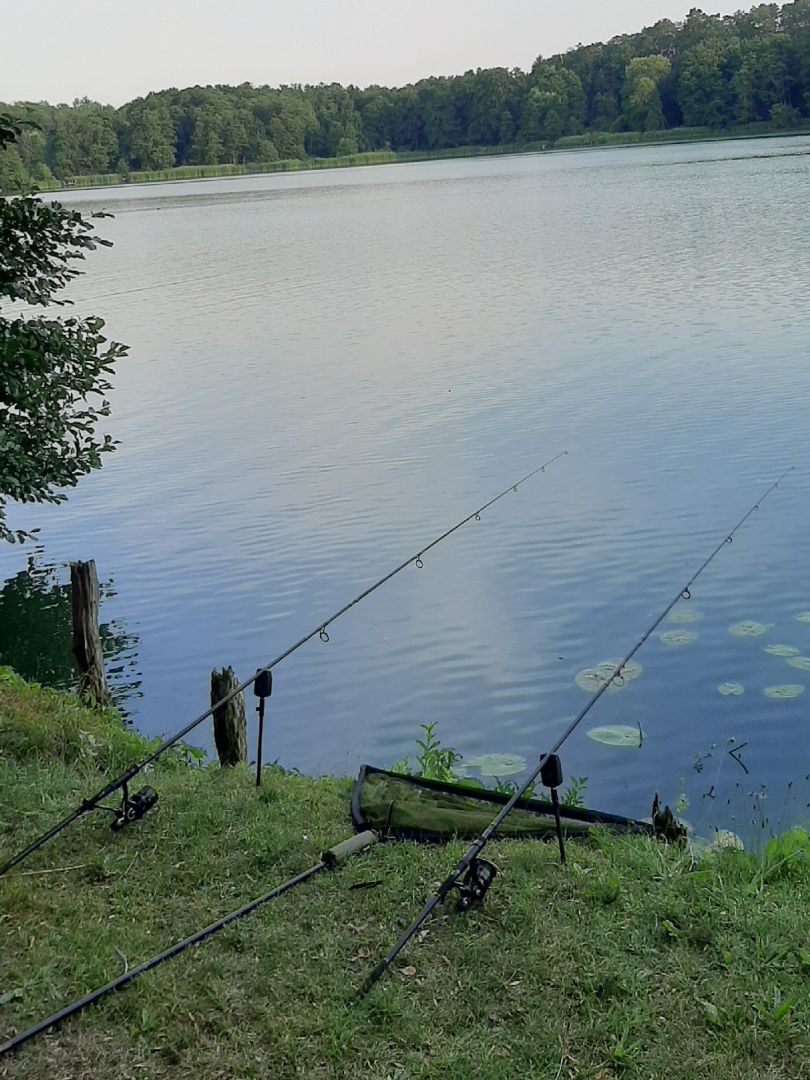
(706, 71)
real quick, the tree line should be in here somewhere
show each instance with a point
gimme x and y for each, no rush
(705, 71)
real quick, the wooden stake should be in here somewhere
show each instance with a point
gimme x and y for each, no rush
(230, 722)
(87, 651)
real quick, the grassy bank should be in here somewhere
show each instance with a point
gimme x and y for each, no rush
(588, 140)
(209, 172)
(628, 962)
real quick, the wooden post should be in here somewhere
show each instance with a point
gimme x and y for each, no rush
(87, 652)
(230, 723)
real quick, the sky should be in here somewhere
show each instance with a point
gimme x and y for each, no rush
(112, 51)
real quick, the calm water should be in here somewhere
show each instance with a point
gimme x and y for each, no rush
(328, 369)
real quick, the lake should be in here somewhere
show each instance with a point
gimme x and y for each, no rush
(329, 369)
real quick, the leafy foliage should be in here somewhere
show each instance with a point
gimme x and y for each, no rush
(706, 71)
(53, 373)
(438, 762)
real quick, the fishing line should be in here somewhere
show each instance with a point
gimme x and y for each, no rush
(79, 301)
(330, 859)
(135, 806)
(469, 859)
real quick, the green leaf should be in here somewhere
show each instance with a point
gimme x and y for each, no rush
(781, 1012)
(618, 735)
(711, 1012)
(783, 693)
(497, 764)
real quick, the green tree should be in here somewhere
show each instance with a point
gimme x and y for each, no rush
(493, 96)
(292, 121)
(14, 177)
(53, 373)
(640, 95)
(84, 139)
(149, 135)
(555, 104)
(704, 95)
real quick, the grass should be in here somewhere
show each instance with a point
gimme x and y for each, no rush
(628, 962)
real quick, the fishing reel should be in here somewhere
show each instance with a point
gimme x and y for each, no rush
(475, 885)
(133, 807)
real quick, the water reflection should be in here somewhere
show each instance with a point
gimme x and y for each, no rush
(35, 632)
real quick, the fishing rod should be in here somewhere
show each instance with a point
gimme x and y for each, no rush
(476, 883)
(330, 859)
(134, 806)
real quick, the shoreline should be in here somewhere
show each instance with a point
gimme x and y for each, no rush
(194, 173)
(658, 965)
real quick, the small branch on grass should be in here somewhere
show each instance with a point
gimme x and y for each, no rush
(53, 870)
(124, 961)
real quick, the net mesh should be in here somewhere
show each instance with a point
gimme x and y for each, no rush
(407, 806)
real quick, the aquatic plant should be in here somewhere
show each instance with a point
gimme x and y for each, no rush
(675, 638)
(800, 662)
(749, 628)
(685, 615)
(803, 616)
(619, 735)
(494, 765)
(781, 650)
(731, 689)
(593, 679)
(434, 762)
(783, 693)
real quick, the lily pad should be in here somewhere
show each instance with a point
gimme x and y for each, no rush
(685, 615)
(629, 738)
(749, 628)
(497, 764)
(731, 689)
(803, 616)
(800, 662)
(782, 693)
(674, 638)
(781, 650)
(593, 679)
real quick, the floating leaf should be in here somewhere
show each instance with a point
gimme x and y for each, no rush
(731, 689)
(803, 616)
(593, 679)
(673, 638)
(497, 764)
(800, 662)
(685, 615)
(617, 735)
(781, 650)
(749, 628)
(782, 693)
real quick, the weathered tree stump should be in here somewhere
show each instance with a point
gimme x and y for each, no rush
(87, 651)
(230, 722)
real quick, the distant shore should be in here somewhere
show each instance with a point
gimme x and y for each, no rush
(593, 140)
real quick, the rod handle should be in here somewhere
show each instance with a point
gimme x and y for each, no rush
(353, 846)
